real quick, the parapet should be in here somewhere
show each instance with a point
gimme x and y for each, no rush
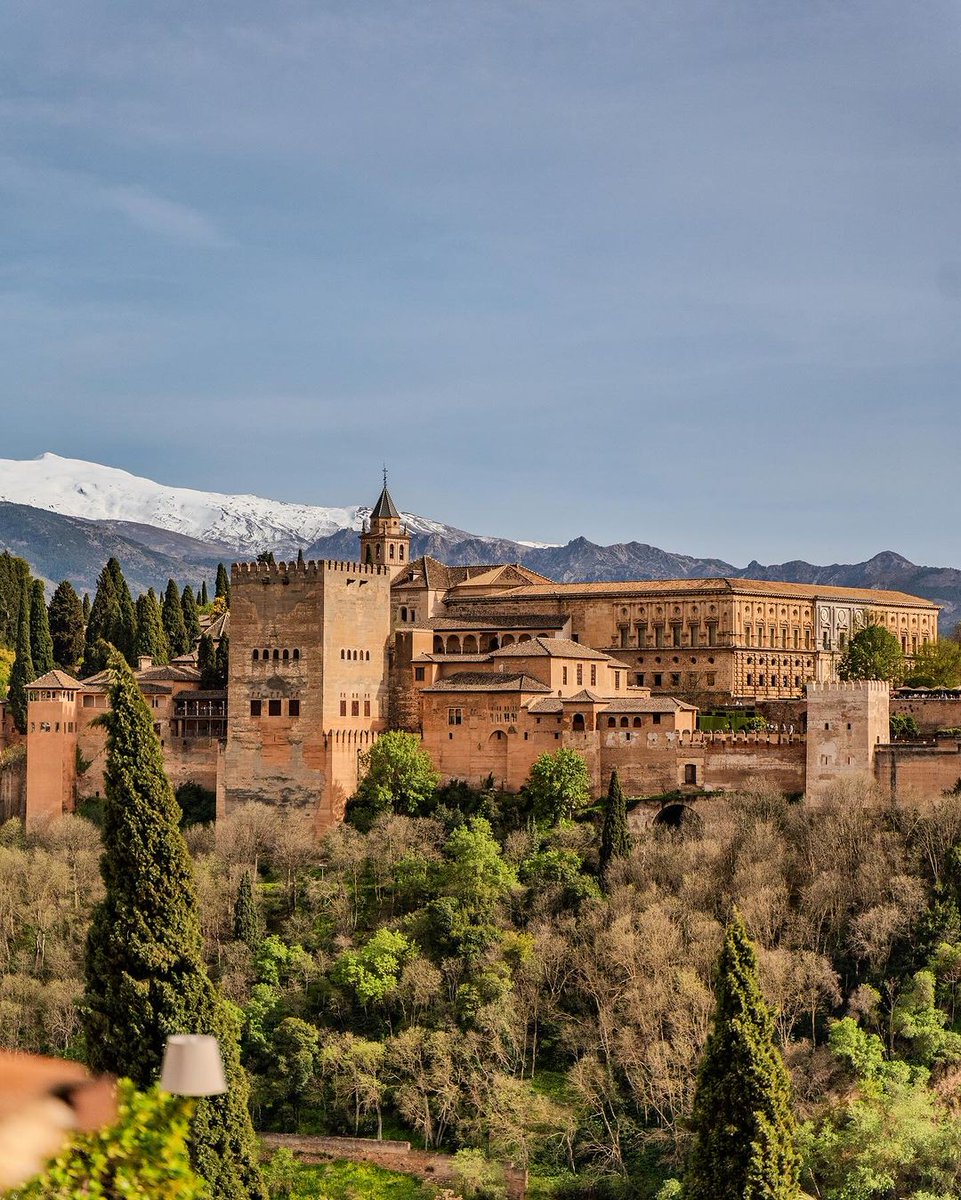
(849, 686)
(304, 570)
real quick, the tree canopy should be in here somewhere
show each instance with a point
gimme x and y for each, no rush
(872, 653)
(397, 775)
(65, 615)
(937, 664)
(558, 785)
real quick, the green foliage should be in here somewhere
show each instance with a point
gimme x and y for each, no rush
(65, 615)
(345, 1181)
(743, 1127)
(41, 644)
(6, 666)
(112, 620)
(22, 671)
(477, 1177)
(151, 638)
(904, 728)
(558, 786)
(398, 776)
(222, 662)
(372, 972)
(188, 605)
(172, 614)
(143, 1153)
(204, 601)
(222, 588)
(198, 805)
(207, 662)
(145, 974)
(615, 838)
(872, 653)
(936, 664)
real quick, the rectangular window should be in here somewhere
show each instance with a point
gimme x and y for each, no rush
(711, 679)
(675, 679)
(656, 719)
(366, 708)
(593, 675)
(625, 637)
(563, 674)
(712, 634)
(657, 680)
(89, 701)
(273, 708)
(355, 708)
(343, 708)
(690, 773)
(750, 679)
(255, 708)
(640, 678)
(455, 716)
(617, 680)
(580, 673)
(419, 674)
(658, 635)
(676, 634)
(293, 708)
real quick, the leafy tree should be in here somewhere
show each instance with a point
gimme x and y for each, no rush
(204, 601)
(475, 872)
(207, 662)
(145, 974)
(191, 616)
(937, 664)
(222, 662)
(66, 627)
(112, 620)
(222, 586)
(373, 971)
(558, 786)
(615, 837)
(743, 1129)
(247, 927)
(41, 643)
(173, 621)
(22, 672)
(398, 775)
(903, 728)
(143, 1153)
(151, 638)
(873, 653)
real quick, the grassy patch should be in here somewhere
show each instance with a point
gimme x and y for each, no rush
(356, 1181)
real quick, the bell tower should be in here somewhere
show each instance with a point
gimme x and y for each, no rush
(384, 540)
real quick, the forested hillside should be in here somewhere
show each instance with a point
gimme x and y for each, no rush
(469, 977)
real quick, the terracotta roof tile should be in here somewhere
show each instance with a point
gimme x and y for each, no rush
(488, 681)
(541, 647)
(55, 679)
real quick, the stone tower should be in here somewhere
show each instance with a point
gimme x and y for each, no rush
(846, 722)
(384, 540)
(51, 746)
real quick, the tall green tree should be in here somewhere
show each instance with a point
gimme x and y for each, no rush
(125, 634)
(222, 661)
(65, 616)
(937, 664)
(204, 601)
(191, 616)
(112, 620)
(743, 1146)
(22, 672)
(615, 837)
(13, 571)
(873, 653)
(397, 775)
(173, 621)
(222, 587)
(207, 662)
(144, 966)
(41, 643)
(247, 926)
(151, 638)
(86, 607)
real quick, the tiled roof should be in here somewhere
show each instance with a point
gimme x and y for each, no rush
(454, 658)
(212, 694)
(56, 679)
(432, 573)
(586, 696)
(155, 689)
(643, 588)
(650, 704)
(541, 647)
(178, 672)
(385, 507)
(488, 681)
(499, 621)
(549, 704)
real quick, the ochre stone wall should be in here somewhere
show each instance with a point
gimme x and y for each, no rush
(919, 772)
(931, 714)
(51, 758)
(13, 789)
(846, 722)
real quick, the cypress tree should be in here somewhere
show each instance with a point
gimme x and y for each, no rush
(222, 661)
(41, 643)
(144, 966)
(65, 616)
(86, 607)
(125, 633)
(22, 672)
(191, 616)
(203, 594)
(13, 571)
(173, 621)
(615, 838)
(102, 623)
(207, 662)
(300, 556)
(246, 918)
(151, 639)
(743, 1147)
(223, 584)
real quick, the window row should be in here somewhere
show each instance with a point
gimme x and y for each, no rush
(44, 727)
(408, 614)
(275, 655)
(579, 674)
(274, 708)
(355, 655)
(675, 659)
(764, 680)
(789, 640)
(354, 708)
(696, 634)
(637, 722)
(657, 678)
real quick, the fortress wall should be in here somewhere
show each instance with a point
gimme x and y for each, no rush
(931, 714)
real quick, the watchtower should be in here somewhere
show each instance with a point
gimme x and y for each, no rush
(384, 540)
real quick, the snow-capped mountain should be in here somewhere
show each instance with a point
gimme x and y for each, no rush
(245, 524)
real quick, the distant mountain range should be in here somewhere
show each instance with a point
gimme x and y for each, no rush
(66, 517)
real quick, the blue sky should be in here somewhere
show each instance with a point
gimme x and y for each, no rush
(687, 273)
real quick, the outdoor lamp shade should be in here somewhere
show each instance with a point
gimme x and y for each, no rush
(192, 1066)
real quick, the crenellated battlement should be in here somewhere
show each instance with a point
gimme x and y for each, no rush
(849, 685)
(312, 568)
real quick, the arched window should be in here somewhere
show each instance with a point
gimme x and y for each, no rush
(378, 551)
(265, 655)
(343, 653)
(256, 655)
(438, 644)
(355, 656)
(367, 655)
(624, 722)
(286, 656)
(637, 722)
(611, 723)
(578, 723)
(276, 656)
(392, 549)
(507, 640)
(296, 656)
(400, 553)
(453, 644)
(470, 644)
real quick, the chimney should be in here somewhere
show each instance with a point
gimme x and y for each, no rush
(144, 662)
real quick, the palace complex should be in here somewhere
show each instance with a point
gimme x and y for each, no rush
(492, 665)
